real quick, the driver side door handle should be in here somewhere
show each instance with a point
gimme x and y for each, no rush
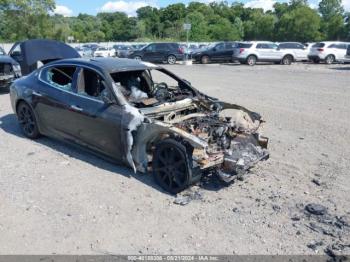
(76, 108)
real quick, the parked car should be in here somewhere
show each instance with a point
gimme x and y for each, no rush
(138, 46)
(218, 52)
(328, 52)
(9, 70)
(141, 115)
(93, 47)
(299, 50)
(347, 56)
(123, 51)
(159, 52)
(84, 51)
(260, 51)
(105, 52)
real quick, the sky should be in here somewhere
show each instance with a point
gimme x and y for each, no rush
(74, 7)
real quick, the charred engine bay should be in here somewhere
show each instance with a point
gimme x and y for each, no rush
(234, 145)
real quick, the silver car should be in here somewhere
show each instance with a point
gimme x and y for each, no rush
(261, 51)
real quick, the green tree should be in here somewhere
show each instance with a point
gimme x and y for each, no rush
(259, 26)
(23, 19)
(300, 24)
(332, 19)
(199, 30)
(223, 30)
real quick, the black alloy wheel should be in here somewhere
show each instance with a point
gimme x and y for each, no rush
(171, 168)
(27, 121)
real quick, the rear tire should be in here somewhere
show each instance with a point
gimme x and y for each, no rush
(330, 59)
(251, 60)
(171, 166)
(27, 121)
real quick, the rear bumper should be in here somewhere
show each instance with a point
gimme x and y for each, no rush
(239, 58)
(315, 57)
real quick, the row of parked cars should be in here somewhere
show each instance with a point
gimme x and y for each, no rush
(94, 50)
(244, 52)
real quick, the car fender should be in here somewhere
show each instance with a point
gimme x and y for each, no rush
(290, 54)
(151, 132)
(254, 53)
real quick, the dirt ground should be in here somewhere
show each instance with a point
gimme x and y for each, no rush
(55, 198)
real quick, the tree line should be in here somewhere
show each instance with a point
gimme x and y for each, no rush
(217, 21)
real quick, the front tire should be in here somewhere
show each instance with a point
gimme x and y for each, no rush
(27, 121)
(171, 166)
(171, 60)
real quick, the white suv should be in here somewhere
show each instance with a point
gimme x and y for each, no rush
(329, 52)
(261, 51)
(105, 52)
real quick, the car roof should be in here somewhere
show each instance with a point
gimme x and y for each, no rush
(111, 65)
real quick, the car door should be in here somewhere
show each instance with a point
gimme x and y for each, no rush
(17, 54)
(150, 53)
(52, 99)
(264, 52)
(162, 51)
(97, 124)
(340, 51)
(300, 51)
(228, 52)
(218, 52)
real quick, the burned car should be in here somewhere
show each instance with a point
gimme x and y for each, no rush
(9, 70)
(141, 115)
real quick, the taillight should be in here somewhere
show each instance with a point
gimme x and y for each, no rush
(181, 50)
(241, 50)
(320, 49)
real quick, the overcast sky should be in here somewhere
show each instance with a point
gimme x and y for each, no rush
(72, 8)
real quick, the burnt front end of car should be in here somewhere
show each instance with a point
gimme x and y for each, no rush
(221, 138)
(234, 143)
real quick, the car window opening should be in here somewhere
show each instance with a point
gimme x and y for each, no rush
(145, 88)
(61, 77)
(89, 83)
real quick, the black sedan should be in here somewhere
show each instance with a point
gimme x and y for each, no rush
(141, 115)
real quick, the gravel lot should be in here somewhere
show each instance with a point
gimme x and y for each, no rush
(55, 198)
